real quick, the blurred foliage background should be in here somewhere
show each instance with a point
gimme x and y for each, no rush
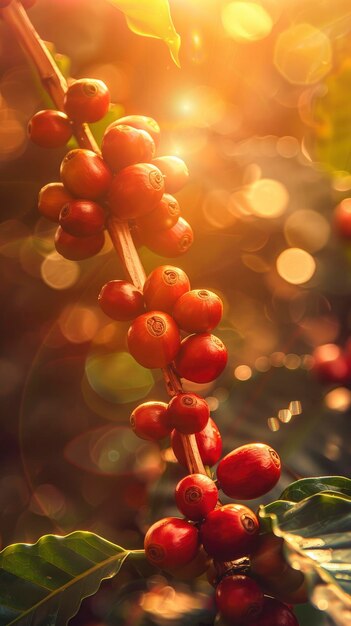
(260, 112)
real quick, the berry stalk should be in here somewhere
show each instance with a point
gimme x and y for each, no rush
(56, 86)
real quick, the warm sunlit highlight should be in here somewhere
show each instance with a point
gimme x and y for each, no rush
(307, 229)
(246, 21)
(303, 54)
(267, 198)
(59, 273)
(243, 372)
(78, 324)
(296, 266)
(338, 399)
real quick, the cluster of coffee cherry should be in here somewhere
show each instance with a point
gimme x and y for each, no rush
(171, 327)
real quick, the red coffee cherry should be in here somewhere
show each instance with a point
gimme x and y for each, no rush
(209, 442)
(171, 542)
(164, 216)
(50, 129)
(82, 218)
(230, 532)
(153, 339)
(196, 495)
(123, 145)
(164, 286)
(196, 567)
(188, 413)
(78, 248)
(274, 613)
(249, 471)
(85, 174)
(198, 311)
(149, 421)
(201, 358)
(143, 123)
(175, 171)
(121, 300)
(135, 190)
(4, 3)
(239, 599)
(87, 100)
(330, 364)
(172, 242)
(51, 199)
(342, 218)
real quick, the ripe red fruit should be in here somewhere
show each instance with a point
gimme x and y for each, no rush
(85, 174)
(230, 532)
(171, 542)
(50, 129)
(249, 471)
(172, 242)
(153, 339)
(274, 612)
(123, 145)
(164, 286)
(164, 216)
(82, 218)
(28, 3)
(342, 218)
(188, 413)
(135, 190)
(198, 311)
(330, 364)
(239, 598)
(196, 567)
(51, 199)
(121, 300)
(149, 421)
(175, 171)
(209, 442)
(78, 248)
(201, 358)
(87, 100)
(143, 123)
(4, 3)
(196, 495)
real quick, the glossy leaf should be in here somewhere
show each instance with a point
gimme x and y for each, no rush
(44, 583)
(317, 535)
(305, 487)
(151, 18)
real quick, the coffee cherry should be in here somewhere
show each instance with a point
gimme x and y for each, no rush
(164, 216)
(123, 145)
(330, 364)
(188, 413)
(87, 100)
(239, 598)
(209, 442)
(143, 123)
(175, 171)
(82, 218)
(230, 532)
(121, 300)
(196, 495)
(268, 558)
(201, 358)
(135, 190)
(149, 421)
(78, 248)
(171, 542)
(164, 286)
(249, 471)
(196, 567)
(172, 242)
(153, 339)
(274, 613)
(51, 199)
(198, 311)
(342, 218)
(85, 174)
(50, 129)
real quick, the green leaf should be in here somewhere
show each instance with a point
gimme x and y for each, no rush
(305, 487)
(151, 18)
(317, 536)
(44, 583)
(331, 121)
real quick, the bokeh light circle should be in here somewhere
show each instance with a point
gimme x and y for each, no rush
(296, 266)
(246, 21)
(303, 54)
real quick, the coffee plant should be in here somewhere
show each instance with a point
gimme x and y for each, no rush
(262, 562)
